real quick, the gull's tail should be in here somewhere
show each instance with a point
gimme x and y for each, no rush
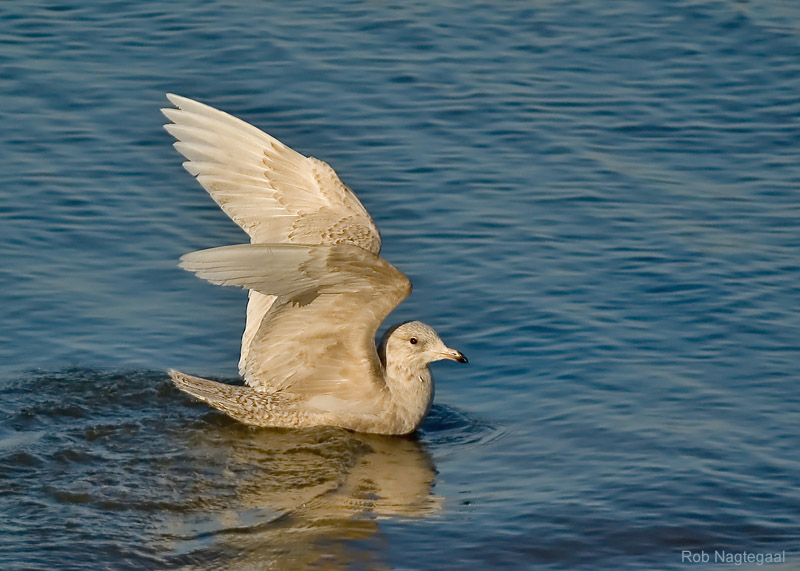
(239, 402)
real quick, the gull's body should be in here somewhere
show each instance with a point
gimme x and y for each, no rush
(318, 288)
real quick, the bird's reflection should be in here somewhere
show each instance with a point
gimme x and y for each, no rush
(271, 498)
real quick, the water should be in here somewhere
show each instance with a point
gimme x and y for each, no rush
(596, 201)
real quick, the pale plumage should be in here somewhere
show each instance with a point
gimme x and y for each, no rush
(318, 289)
(272, 192)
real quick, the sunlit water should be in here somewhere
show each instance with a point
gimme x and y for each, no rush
(597, 202)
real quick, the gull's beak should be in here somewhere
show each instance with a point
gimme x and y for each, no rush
(454, 355)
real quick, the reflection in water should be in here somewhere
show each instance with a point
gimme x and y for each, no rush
(271, 498)
(121, 465)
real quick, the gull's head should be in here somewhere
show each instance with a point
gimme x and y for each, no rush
(417, 343)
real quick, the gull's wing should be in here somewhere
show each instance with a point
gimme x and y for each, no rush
(274, 193)
(319, 338)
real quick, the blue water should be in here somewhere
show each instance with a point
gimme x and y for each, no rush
(597, 201)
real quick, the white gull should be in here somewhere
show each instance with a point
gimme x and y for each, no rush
(318, 288)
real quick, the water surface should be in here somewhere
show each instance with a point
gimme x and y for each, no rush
(597, 202)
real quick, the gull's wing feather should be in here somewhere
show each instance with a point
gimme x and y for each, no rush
(318, 339)
(273, 192)
(289, 270)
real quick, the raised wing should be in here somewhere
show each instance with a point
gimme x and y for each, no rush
(274, 193)
(318, 339)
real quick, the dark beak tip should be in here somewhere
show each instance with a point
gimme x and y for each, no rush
(462, 358)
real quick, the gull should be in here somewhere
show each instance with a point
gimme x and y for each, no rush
(318, 288)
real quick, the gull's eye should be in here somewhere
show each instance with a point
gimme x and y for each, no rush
(413, 340)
